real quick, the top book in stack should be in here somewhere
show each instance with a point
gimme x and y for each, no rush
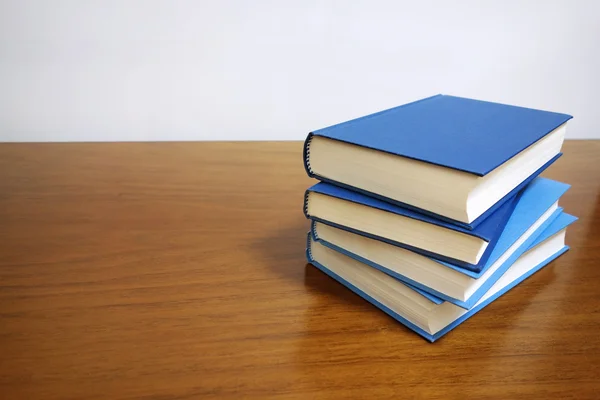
(454, 158)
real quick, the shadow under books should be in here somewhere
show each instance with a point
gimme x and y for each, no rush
(283, 253)
(282, 249)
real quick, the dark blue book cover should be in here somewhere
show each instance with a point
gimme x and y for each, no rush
(464, 134)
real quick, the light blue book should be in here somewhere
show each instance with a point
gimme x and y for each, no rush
(537, 207)
(433, 319)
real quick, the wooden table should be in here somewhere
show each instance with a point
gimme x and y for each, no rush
(177, 271)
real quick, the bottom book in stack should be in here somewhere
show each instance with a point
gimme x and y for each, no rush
(428, 315)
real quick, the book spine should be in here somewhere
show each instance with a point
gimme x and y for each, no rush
(313, 230)
(309, 256)
(306, 155)
(305, 205)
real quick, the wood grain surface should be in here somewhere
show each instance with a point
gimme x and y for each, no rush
(177, 271)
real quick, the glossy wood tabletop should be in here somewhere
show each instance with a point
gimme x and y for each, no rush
(177, 271)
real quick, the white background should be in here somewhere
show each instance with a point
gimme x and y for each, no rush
(99, 70)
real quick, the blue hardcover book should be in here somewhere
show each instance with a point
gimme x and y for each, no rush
(432, 319)
(403, 227)
(455, 158)
(537, 207)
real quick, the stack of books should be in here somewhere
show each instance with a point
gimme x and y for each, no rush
(434, 209)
